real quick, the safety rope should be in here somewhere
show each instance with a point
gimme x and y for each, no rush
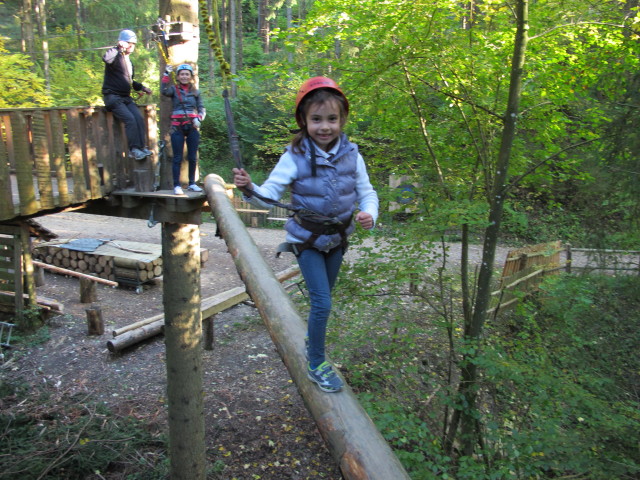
(163, 45)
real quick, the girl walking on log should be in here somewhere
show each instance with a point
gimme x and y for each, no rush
(331, 192)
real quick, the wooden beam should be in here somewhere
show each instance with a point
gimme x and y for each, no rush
(149, 327)
(355, 443)
(72, 273)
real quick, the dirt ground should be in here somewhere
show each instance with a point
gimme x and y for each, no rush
(256, 422)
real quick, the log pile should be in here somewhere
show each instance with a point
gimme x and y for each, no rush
(133, 262)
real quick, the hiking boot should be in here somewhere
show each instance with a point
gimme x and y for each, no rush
(194, 188)
(178, 191)
(325, 377)
(137, 154)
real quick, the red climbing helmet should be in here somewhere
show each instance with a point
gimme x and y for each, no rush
(313, 84)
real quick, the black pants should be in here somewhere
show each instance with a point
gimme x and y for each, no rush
(126, 110)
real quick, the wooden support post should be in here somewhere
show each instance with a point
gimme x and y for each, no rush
(209, 334)
(27, 264)
(353, 440)
(88, 290)
(95, 324)
(183, 339)
(38, 276)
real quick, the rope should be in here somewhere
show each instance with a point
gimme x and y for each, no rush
(161, 41)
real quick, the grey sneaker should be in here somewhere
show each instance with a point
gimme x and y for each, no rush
(178, 191)
(137, 154)
(325, 377)
(147, 152)
(194, 188)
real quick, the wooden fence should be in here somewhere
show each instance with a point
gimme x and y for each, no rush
(525, 268)
(58, 157)
(256, 217)
(523, 271)
(613, 261)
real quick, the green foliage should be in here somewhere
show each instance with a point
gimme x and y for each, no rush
(564, 380)
(427, 98)
(261, 130)
(72, 438)
(21, 87)
(560, 378)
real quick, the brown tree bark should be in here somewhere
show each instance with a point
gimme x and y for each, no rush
(88, 291)
(183, 339)
(95, 323)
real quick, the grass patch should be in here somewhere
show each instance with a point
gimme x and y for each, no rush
(49, 434)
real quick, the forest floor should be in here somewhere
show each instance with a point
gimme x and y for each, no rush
(256, 423)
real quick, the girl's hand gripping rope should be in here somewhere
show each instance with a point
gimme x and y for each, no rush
(242, 179)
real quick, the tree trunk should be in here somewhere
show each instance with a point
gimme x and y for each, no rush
(78, 23)
(183, 338)
(211, 80)
(473, 331)
(263, 24)
(27, 32)
(289, 26)
(41, 18)
(239, 29)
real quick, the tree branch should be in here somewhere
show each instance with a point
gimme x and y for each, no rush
(517, 179)
(464, 100)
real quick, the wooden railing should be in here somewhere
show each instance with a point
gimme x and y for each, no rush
(53, 158)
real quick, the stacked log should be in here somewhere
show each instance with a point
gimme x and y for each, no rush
(81, 262)
(137, 270)
(129, 262)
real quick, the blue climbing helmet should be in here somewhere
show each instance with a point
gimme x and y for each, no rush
(127, 36)
(184, 66)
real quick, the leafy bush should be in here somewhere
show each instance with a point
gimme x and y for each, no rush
(560, 376)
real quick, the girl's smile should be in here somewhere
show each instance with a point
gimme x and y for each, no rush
(184, 76)
(324, 124)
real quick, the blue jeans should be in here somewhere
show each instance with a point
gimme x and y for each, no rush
(320, 271)
(178, 138)
(126, 110)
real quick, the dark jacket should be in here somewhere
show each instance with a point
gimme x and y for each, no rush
(187, 102)
(116, 76)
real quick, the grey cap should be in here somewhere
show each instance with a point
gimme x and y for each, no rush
(127, 36)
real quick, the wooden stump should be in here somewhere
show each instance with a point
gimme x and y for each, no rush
(38, 276)
(209, 337)
(87, 291)
(95, 323)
